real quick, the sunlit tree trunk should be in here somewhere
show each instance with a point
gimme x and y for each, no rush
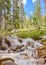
(45, 11)
(45, 6)
(1, 19)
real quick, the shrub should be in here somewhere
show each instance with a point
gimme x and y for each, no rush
(32, 34)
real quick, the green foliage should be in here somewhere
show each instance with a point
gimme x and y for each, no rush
(1, 1)
(14, 22)
(16, 14)
(37, 14)
(31, 34)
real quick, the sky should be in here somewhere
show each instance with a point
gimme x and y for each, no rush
(29, 7)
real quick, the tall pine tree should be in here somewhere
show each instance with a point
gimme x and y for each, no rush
(45, 11)
(37, 14)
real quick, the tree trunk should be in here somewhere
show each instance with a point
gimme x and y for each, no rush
(1, 19)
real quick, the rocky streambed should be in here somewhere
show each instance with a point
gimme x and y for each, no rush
(18, 51)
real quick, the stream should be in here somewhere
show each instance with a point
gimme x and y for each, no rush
(22, 51)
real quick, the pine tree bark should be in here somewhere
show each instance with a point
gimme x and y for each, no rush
(1, 19)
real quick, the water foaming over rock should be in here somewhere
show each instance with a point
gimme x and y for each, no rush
(23, 51)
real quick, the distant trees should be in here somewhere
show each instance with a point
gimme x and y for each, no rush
(12, 11)
(4, 11)
(45, 11)
(16, 13)
(37, 14)
(45, 6)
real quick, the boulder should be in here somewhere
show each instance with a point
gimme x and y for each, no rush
(45, 59)
(30, 44)
(40, 61)
(41, 52)
(23, 48)
(20, 46)
(9, 40)
(25, 56)
(14, 47)
(20, 40)
(4, 46)
(1, 40)
(0, 47)
(8, 62)
(17, 48)
(41, 48)
(43, 37)
(5, 59)
(44, 43)
(10, 51)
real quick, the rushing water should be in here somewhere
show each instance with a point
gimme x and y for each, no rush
(26, 57)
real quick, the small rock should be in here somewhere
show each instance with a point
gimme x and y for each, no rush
(30, 44)
(13, 31)
(43, 37)
(25, 56)
(40, 61)
(20, 40)
(4, 46)
(14, 47)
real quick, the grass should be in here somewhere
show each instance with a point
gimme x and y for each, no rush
(26, 29)
(31, 34)
(25, 33)
(4, 33)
